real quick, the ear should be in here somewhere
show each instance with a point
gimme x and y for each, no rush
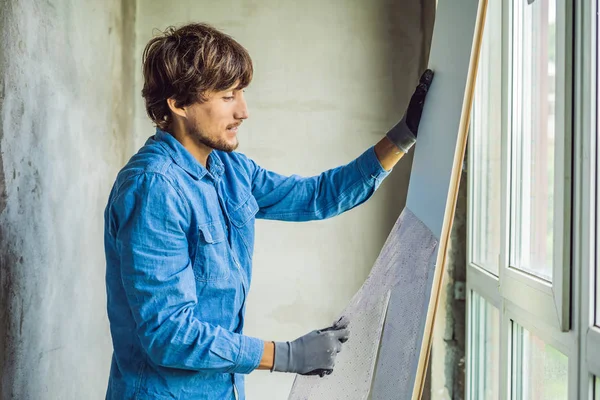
(181, 111)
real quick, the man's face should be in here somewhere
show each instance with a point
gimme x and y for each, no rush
(214, 123)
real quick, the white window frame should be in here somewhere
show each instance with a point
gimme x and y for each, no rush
(586, 256)
(544, 308)
(548, 300)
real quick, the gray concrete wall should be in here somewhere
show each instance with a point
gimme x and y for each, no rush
(330, 78)
(65, 129)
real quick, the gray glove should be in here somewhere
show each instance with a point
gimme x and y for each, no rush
(313, 353)
(404, 133)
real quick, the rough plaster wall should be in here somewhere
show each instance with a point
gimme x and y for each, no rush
(448, 349)
(66, 117)
(330, 78)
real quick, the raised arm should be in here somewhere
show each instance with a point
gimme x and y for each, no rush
(296, 198)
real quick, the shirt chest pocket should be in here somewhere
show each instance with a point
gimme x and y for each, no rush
(212, 253)
(243, 212)
(242, 217)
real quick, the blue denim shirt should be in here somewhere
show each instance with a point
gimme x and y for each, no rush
(179, 239)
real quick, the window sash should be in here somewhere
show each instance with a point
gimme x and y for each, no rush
(549, 299)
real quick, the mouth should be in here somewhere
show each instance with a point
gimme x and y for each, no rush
(233, 128)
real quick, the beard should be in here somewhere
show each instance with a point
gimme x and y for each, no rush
(214, 143)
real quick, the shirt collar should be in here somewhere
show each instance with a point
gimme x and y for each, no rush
(183, 158)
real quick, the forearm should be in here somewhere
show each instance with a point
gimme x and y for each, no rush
(184, 342)
(387, 153)
(329, 194)
(268, 357)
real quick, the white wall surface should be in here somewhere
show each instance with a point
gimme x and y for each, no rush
(330, 79)
(65, 129)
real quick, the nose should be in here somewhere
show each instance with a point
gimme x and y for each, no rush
(241, 111)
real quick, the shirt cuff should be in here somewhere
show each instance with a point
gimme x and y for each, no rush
(251, 353)
(371, 168)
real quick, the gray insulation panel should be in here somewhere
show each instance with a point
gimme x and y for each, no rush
(353, 373)
(415, 254)
(403, 268)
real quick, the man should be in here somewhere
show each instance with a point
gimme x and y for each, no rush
(179, 228)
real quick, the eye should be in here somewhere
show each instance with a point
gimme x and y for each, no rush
(228, 98)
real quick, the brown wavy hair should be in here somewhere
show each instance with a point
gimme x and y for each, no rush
(184, 63)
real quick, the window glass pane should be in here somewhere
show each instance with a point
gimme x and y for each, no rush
(486, 137)
(539, 371)
(484, 345)
(533, 117)
(597, 389)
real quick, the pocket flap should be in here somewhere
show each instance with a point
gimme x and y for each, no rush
(212, 232)
(244, 212)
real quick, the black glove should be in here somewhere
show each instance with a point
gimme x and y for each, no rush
(404, 133)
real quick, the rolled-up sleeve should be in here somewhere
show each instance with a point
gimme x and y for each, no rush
(296, 198)
(156, 271)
